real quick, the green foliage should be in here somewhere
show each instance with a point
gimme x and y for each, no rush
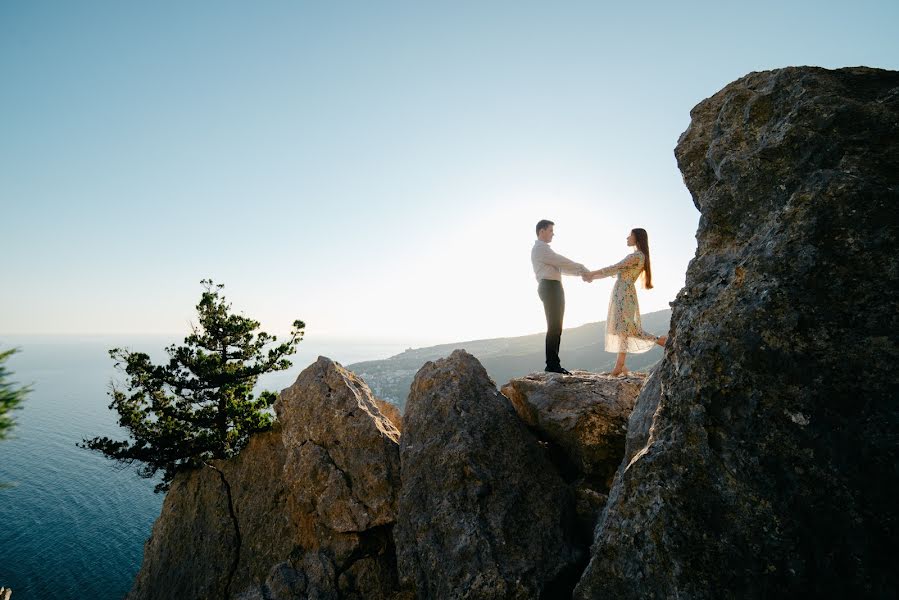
(11, 397)
(200, 405)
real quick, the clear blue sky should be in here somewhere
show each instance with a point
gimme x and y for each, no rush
(374, 168)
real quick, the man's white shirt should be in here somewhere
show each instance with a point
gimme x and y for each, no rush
(549, 265)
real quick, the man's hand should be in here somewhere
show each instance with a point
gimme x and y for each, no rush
(587, 277)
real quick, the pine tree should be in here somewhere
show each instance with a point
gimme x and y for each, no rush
(11, 397)
(200, 406)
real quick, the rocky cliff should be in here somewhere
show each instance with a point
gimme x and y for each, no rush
(306, 510)
(757, 460)
(582, 421)
(770, 469)
(334, 503)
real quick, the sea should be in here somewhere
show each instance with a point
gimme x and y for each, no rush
(73, 523)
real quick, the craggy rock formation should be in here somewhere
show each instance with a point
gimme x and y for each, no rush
(305, 510)
(343, 465)
(309, 509)
(771, 466)
(639, 424)
(585, 414)
(482, 512)
(583, 420)
(194, 545)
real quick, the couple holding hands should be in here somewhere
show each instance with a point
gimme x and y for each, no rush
(624, 332)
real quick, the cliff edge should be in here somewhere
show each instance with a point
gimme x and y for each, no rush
(770, 469)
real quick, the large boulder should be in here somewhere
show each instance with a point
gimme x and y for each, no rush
(482, 512)
(582, 419)
(585, 414)
(305, 510)
(770, 470)
(344, 452)
(344, 469)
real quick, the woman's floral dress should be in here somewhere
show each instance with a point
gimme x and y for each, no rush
(624, 331)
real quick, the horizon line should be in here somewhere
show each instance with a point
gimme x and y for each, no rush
(365, 338)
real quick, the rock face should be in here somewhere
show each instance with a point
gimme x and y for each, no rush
(585, 414)
(583, 420)
(310, 509)
(482, 512)
(771, 468)
(639, 424)
(391, 412)
(194, 544)
(343, 464)
(306, 510)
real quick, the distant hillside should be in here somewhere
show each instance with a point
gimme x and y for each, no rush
(505, 358)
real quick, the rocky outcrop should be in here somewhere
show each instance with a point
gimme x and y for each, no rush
(305, 510)
(343, 465)
(582, 418)
(310, 508)
(585, 414)
(482, 512)
(770, 468)
(194, 544)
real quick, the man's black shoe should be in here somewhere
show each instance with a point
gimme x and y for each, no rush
(561, 370)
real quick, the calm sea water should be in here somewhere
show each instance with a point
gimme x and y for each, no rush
(72, 523)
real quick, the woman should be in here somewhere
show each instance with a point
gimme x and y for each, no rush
(624, 332)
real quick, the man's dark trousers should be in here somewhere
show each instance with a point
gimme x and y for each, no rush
(553, 297)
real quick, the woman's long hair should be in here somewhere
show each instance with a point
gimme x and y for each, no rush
(643, 246)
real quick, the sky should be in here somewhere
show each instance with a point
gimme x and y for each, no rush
(375, 169)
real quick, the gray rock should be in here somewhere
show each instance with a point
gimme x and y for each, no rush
(585, 414)
(193, 544)
(315, 500)
(339, 440)
(639, 423)
(583, 420)
(771, 468)
(285, 582)
(482, 512)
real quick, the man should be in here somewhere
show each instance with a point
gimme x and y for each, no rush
(548, 267)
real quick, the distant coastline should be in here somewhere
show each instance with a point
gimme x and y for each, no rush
(505, 358)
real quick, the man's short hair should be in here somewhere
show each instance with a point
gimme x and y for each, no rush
(543, 224)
